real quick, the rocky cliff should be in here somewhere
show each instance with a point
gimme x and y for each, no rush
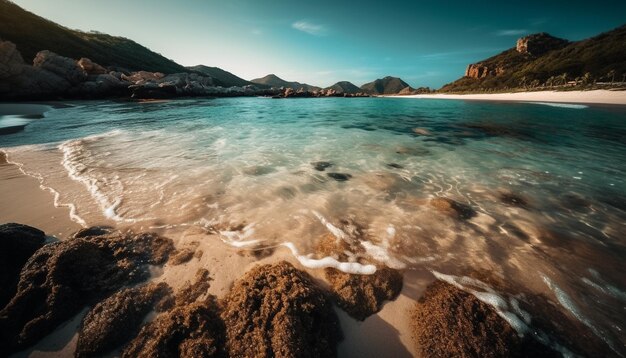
(542, 60)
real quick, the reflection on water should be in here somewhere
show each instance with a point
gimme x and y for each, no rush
(533, 194)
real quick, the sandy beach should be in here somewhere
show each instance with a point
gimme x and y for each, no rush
(582, 97)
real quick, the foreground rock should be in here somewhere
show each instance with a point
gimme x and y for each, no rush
(359, 295)
(277, 311)
(363, 295)
(17, 244)
(113, 321)
(61, 278)
(449, 322)
(192, 328)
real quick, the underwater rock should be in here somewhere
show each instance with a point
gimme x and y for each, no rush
(453, 208)
(513, 199)
(340, 176)
(421, 131)
(448, 322)
(321, 166)
(17, 244)
(277, 311)
(395, 165)
(62, 277)
(112, 322)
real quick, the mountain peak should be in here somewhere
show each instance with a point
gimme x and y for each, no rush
(385, 85)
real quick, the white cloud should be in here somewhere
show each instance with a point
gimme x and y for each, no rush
(310, 28)
(512, 32)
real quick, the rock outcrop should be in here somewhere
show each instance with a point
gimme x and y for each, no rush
(62, 277)
(480, 70)
(192, 328)
(538, 44)
(277, 311)
(111, 323)
(17, 244)
(53, 76)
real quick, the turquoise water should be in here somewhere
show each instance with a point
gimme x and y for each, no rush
(541, 188)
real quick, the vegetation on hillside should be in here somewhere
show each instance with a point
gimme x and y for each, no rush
(582, 63)
(31, 34)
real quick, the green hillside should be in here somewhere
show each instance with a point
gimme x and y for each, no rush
(32, 33)
(600, 58)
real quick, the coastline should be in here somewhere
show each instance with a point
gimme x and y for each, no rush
(582, 97)
(23, 200)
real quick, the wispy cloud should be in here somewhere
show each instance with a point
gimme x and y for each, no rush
(511, 32)
(310, 28)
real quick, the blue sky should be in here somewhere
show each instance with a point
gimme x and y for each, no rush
(426, 43)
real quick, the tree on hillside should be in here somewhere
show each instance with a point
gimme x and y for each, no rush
(563, 78)
(611, 75)
(586, 79)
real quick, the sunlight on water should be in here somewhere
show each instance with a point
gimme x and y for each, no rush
(519, 189)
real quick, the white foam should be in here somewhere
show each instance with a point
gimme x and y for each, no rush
(561, 105)
(354, 268)
(566, 301)
(337, 232)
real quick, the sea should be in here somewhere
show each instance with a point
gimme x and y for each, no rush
(533, 194)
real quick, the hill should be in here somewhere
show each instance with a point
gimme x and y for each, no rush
(221, 77)
(344, 87)
(274, 81)
(387, 85)
(32, 33)
(541, 60)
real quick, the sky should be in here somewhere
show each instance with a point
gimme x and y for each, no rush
(426, 43)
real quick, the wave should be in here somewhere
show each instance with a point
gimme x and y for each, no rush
(561, 105)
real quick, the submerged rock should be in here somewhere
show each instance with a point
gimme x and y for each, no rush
(448, 322)
(180, 257)
(277, 311)
(192, 328)
(61, 278)
(453, 208)
(321, 166)
(513, 199)
(340, 176)
(115, 320)
(395, 166)
(17, 244)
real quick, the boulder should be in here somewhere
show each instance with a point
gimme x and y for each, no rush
(90, 67)
(538, 44)
(11, 62)
(112, 322)
(61, 278)
(448, 322)
(277, 311)
(17, 244)
(192, 328)
(63, 67)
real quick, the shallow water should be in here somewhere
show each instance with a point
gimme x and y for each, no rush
(540, 190)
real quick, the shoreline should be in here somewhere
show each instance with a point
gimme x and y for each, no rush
(579, 97)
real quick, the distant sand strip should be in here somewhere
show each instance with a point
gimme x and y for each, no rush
(591, 97)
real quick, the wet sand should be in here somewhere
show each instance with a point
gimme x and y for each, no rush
(23, 201)
(592, 97)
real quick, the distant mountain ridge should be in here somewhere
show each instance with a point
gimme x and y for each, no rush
(386, 85)
(220, 76)
(275, 81)
(344, 87)
(32, 33)
(542, 60)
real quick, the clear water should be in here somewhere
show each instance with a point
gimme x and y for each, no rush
(241, 168)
